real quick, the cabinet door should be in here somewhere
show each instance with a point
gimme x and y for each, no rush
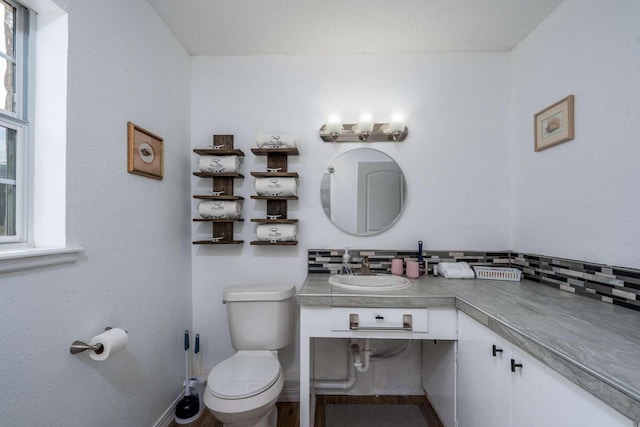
(540, 397)
(483, 379)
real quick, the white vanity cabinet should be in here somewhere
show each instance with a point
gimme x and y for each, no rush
(542, 397)
(483, 381)
(490, 394)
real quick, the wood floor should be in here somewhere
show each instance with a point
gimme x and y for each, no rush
(289, 416)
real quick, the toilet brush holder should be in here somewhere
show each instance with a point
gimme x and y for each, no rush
(191, 405)
(197, 384)
(196, 389)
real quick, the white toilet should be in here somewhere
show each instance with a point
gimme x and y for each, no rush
(243, 389)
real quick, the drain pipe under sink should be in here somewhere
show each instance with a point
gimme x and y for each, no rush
(359, 359)
(354, 349)
(362, 356)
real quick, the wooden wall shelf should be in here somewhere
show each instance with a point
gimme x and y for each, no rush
(212, 152)
(274, 197)
(221, 197)
(218, 175)
(275, 174)
(277, 158)
(221, 242)
(223, 181)
(218, 220)
(265, 243)
(267, 151)
(274, 221)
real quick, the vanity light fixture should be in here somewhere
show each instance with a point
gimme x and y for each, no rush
(365, 130)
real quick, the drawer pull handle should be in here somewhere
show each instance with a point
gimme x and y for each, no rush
(407, 324)
(495, 350)
(515, 365)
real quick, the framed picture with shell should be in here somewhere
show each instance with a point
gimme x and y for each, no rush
(554, 124)
(145, 152)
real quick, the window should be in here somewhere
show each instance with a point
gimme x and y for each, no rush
(30, 238)
(14, 122)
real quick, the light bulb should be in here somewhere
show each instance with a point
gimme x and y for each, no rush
(398, 121)
(334, 123)
(365, 122)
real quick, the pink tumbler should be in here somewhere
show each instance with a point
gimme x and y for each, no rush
(413, 270)
(397, 266)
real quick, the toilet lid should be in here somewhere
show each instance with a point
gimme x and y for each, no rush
(244, 374)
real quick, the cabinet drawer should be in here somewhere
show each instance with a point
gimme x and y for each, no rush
(379, 319)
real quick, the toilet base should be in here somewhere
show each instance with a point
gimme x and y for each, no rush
(269, 420)
(273, 417)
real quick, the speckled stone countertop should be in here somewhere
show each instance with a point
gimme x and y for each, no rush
(594, 344)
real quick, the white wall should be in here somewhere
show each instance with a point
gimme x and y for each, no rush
(580, 199)
(124, 64)
(453, 159)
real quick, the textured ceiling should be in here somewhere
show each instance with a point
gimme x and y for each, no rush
(254, 27)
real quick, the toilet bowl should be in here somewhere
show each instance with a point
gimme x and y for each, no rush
(242, 390)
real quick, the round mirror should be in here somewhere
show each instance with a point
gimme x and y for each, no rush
(363, 191)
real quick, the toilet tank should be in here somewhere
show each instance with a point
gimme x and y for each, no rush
(260, 316)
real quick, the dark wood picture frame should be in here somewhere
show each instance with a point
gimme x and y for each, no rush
(145, 152)
(554, 125)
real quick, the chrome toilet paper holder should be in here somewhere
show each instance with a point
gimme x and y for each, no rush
(80, 346)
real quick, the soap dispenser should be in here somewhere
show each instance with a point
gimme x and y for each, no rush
(346, 259)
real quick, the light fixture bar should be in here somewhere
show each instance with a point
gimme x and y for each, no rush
(381, 132)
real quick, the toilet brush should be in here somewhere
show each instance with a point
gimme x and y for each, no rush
(196, 381)
(188, 408)
(196, 350)
(197, 377)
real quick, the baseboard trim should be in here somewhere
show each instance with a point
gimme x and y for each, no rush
(289, 395)
(168, 416)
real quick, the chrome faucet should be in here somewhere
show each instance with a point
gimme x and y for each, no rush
(346, 259)
(365, 269)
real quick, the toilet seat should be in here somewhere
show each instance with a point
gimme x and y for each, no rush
(245, 374)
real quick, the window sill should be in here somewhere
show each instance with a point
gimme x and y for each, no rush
(26, 259)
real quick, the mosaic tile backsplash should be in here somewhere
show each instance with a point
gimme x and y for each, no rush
(613, 285)
(329, 261)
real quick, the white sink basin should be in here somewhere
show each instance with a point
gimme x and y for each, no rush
(378, 282)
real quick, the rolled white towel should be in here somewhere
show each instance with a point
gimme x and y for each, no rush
(456, 270)
(220, 209)
(272, 232)
(454, 265)
(276, 140)
(459, 274)
(217, 164)
(276, 186)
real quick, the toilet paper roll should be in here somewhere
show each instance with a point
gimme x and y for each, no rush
(218, 164)
(112, 341)
(276, 186)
